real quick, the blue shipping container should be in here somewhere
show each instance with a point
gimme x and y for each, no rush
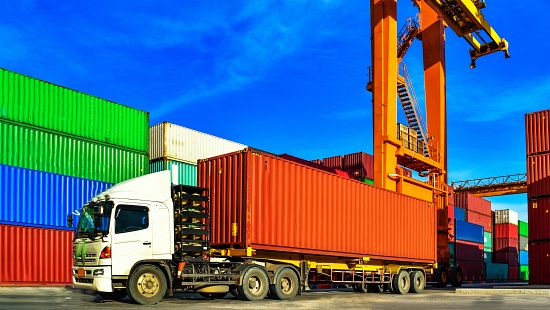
(468, 232)
(523, 258)
(460, 214)
(42, 199)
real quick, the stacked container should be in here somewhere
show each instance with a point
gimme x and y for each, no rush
(59, 149)
(523, 229)
(506, 241)
(537, 128)
(176, 148)
(468, 249)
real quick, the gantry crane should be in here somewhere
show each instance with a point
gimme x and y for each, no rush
(392, 148)
(493, 186)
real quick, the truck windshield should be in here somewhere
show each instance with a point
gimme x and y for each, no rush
(94, 220)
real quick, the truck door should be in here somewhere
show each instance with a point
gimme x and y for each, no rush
(132, 238)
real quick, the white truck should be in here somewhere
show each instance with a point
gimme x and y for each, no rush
(147, 238)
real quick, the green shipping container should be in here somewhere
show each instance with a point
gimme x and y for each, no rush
(34, 102)
(524, 272)
(488, 241)
(496, 272)
(452, 259)
(487, 256)
(523, 228)
(368, 181)
(40, 150)
(182, 173)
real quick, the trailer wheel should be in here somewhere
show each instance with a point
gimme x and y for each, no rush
(441, 277)
(147, 285)
(457, 277)
(375, 288)
(418, 282)
(116, 295)
(286, 284)
(255, 284)
(360, 288)
(401, 282)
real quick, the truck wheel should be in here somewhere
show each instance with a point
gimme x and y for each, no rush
(286, 284)
(441, 277)
(401, 283)
(418, 282)
(115, 295)
(147, 285)
(360, 288)
(457, 277)
(375, 288)
(255, 284)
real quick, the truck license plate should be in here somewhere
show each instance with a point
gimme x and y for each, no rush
(81, 273)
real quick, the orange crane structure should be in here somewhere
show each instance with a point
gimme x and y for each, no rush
(422, 145)
(493, 186)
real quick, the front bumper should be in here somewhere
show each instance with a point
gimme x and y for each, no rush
(98, 282)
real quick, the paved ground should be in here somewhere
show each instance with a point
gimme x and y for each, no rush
(59, 298)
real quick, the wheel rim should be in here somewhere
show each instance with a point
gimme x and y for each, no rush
(255, 285)
(148, 284)
(403, 282)
(286, 285)
(419, 282)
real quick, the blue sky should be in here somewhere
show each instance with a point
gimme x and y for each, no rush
(284, 76)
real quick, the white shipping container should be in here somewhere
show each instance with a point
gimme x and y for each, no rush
(506, 216)
(179, 143)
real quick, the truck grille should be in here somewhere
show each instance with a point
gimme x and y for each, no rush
(89, 259)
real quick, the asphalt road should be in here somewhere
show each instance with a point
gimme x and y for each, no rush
(62, 298)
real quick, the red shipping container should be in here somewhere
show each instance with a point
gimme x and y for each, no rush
(270, 204)
(537, 132)
(317, 161)
(468, 251)
(472, 271)
(307, 163)
(505, 244)
(538, 175)
(539, 262)
(359, 165)
(480, 219)
(506, 231)
(539, 219)
(31, 256)
(513, 272)
(506, 256)
(471, 202)
(451, 223)
(451, 197)
(335, 162)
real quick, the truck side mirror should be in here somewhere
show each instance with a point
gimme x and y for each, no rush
(70, 220)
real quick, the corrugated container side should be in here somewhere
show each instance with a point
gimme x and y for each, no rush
(537, 131)
(460, 213)
(523, 258)
(507, 231)
(496, 272)
(524, 272)
(181, 173)
(480, 219)
(35, 255)
(34, 102)
(513, 272)
(506, 216)
(468, 251)
(468, 232)
(539, 260)
(473, 203)
(41, 198)
(336, 162)
(472, 271)
(506, 256)
(538, 175)
(59, 154)
(506, 244)
(359, 165)
(523, 228)
(523, 243)
(539, 219)
(487, 257)
(182, 144)
(280, 205)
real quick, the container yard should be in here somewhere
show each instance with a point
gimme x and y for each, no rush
(338, 182)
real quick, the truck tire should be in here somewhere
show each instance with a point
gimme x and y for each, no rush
(418, 282)
(375, 288)
(286, 284)
(401, 282)
(360, 288)
(147, 285)
(255, 284)
(441, 277)
(116, 295)
(456, 277)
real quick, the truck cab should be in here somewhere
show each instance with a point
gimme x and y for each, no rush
(121, 228)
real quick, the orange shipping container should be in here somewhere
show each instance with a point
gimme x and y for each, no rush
(268, 203)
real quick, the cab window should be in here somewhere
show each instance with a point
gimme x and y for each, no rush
(131, 218)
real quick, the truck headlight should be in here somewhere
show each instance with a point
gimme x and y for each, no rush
(98, 272)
